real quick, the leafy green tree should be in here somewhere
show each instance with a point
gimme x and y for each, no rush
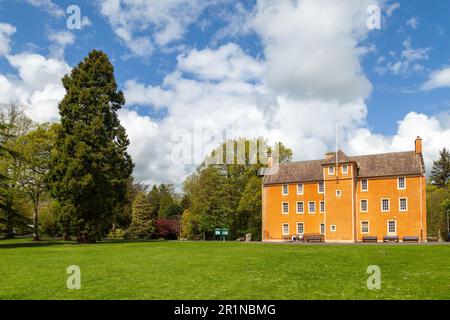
(249, 210)
(10, 217)
(141, 226)
(436, 219)
(154, 198)
(226, 189)
(90, 164)
(33, 166)
(446, 211)
(440, 174)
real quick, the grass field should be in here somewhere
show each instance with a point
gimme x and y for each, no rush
(214, 270)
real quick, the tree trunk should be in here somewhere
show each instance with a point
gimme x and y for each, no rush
(36, 221)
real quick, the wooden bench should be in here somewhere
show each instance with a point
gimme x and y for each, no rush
(370, 239)
(313, 237)
(410, 239)
(391, 239)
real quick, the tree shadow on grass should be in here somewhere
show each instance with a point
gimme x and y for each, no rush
(40, 244)
(31, 244)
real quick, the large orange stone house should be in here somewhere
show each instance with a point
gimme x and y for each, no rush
(347, 198)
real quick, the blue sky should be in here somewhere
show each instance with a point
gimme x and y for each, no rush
(253, 65)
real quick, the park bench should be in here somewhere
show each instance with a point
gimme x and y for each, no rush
(313, 237)
(391, 239)
(410, 239)
(370, 239)
(432, 239)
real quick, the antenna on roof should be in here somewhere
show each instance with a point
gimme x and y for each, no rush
(337, 146)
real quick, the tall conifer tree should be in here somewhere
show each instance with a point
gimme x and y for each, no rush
(90, 164)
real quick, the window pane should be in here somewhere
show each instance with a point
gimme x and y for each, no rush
(385, 205)
(364, 184)
(285, 207)
(403, 204)
(391, 226)
(285, 189)
(300, 208)
(364, 226)
(321, 187)
(300, 228)
(300, 188)
(363, 205)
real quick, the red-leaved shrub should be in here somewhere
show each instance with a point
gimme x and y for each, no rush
(167, 228)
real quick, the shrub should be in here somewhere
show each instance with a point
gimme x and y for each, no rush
(167, 228)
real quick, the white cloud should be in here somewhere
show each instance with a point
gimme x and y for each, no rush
(413, 22)
(311, 47)
(407, 62)
(392, 8)
(48, 6)
(60, 40)
(38, 85)
(6, 31)
(226, 62)
(435, 135)
(438, 79)
(142, 25)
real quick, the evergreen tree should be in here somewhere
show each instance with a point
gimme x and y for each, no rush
(141, 225)
(90, 164)
(440, 173)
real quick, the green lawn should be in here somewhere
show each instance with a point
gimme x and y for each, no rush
(214, 270)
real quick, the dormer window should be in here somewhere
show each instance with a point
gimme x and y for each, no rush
(331, 171)
(345, 169)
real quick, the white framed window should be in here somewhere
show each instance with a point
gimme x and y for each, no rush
(285, 229)
(333, 228)
(322, 228)
(320, 187)
(300, 228)
(322, 206)
(364, 205)
(401, 183)
(338, 193)
(403, 204)
(392, 227)
(331, 171)
(312, 207)
(385, 205)
(300, 188)
(285, 189)
(364, 226)
(345, 169)
(285, 207)
(364, 185)
(300, 207)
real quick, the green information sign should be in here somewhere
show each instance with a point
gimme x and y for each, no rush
(221, 232)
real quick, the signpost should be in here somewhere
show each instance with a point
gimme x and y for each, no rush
(221, 232)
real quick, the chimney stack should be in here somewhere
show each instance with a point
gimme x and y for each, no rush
(329, 155)
(269, 159)
(418, 144)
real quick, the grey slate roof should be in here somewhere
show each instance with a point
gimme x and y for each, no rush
(377, 165)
